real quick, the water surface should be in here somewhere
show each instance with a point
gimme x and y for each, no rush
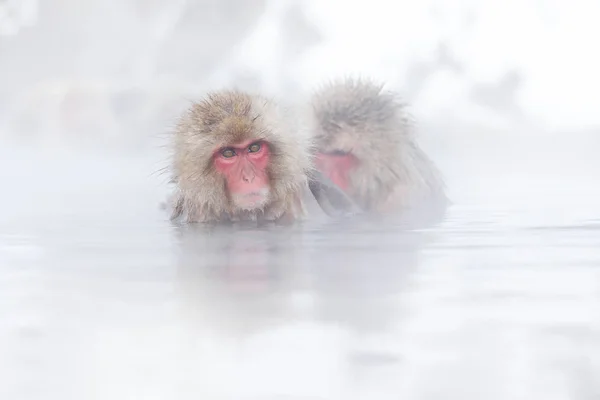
(102, 298)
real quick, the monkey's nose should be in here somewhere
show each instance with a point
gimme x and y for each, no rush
(248, 178)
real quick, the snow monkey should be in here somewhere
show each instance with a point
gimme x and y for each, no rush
(240, 157)
(366, 145)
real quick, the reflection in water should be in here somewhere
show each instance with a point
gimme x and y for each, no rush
(236, 280)
(321, 287)
(247, 270)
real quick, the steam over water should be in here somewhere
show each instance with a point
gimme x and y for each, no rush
(102, 298)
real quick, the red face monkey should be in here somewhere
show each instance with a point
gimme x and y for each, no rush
(367, 147)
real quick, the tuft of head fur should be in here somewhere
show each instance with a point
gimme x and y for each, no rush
(359, 117)
(224, 118)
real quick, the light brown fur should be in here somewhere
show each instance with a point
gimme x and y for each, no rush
(225, 118)
(357, 116)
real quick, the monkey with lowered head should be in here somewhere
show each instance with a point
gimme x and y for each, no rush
(366, 145)
(240, 157)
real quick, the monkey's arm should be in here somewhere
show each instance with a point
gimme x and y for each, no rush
(177, 208)
(173, 204)
(331, 198)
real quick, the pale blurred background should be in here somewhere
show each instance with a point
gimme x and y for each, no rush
(101, 298)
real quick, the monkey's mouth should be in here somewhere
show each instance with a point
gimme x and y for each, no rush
(252, 200)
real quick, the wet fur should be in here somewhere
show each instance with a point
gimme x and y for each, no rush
(224, 118)
(359, 117)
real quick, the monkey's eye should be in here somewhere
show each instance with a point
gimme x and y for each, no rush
(254, 147)
(228, 153)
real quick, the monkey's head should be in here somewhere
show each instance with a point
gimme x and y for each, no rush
(359, 131)
(236, 154)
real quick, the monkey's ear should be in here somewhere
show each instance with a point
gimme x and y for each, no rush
(331, 198)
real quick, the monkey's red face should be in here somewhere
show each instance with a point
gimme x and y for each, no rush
(244, 166)
(337, 166)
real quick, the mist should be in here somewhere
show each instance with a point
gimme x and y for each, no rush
(101, 297)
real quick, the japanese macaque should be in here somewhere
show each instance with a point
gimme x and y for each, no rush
(366, 146)
(240, 157)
